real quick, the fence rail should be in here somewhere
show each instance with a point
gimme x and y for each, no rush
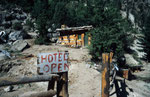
(6, 81)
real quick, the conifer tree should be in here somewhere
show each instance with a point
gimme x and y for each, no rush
(145, 39)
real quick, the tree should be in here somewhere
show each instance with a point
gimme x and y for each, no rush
(112, 34)
(40, 13)
(145, 40)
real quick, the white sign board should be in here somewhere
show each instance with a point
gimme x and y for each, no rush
(53, 62)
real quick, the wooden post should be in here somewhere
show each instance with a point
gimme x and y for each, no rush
(105, 75)
(62, 85)
(82, 39)
(111, 55)
(51, 84)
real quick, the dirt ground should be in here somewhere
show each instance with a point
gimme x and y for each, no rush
(83, 81)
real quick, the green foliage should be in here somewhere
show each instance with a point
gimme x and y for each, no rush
(29, 23)
(145, 39)
(113, 33)
(25, 4)
(110, 33)
(40, 40)
(17, 26)
(42, 29)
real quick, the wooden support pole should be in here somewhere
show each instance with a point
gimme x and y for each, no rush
(6, 81)
(82, 39)
(62, 85)
(105, 75)
(51, 84)
(49, 93)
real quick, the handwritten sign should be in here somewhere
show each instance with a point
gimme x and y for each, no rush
(53, 62)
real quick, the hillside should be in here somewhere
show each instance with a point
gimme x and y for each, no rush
(28, 28)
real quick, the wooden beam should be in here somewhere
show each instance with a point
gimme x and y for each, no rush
(6, 81)
(62, 85)
(105, 75)
(49, 93)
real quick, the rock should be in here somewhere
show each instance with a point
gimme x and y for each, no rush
(2, 36)
(8, 89)
(1, 28)
(6, 53)
(8, 31)
(18, 35)
(19, 45)
(2, 56)
(22, 17)
(17, 10)
(15, 21)
(8, 17)
(1, 18)
(18, 16)
(26, 28)
(7, 24)
(130, 60)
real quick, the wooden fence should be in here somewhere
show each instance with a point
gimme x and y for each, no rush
(108, 67)
(60, 78)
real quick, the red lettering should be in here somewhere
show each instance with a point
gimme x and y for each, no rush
(42, 58)
(55, 56)
(53, 66)
(46, 68)
(50, 58)
(59, 57)
(59, 67)
(65, 57)
(65, 65)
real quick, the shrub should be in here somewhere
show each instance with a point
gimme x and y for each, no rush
(40, 40)
(29, 23)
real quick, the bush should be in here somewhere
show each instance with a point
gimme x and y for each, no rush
(29, 23)
(41, 41)
(17, 26)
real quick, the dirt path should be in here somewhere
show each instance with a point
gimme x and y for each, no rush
(86, 81)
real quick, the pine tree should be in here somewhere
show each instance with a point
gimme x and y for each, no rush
(145, 39)
(112, 34)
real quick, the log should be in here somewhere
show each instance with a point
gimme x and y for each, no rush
(49, 93)
(6, 81)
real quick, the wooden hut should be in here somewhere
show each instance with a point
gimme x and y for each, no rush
(74, 36)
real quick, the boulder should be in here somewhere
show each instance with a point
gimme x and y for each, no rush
(22, 17)
(15, 21)
(18, 16)
(26, 28)
(8, 31)
(7, 24)
(9, 89)
(8, 17)
(2, 28)
(2, 56)
(19, 45)
(18, 35)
